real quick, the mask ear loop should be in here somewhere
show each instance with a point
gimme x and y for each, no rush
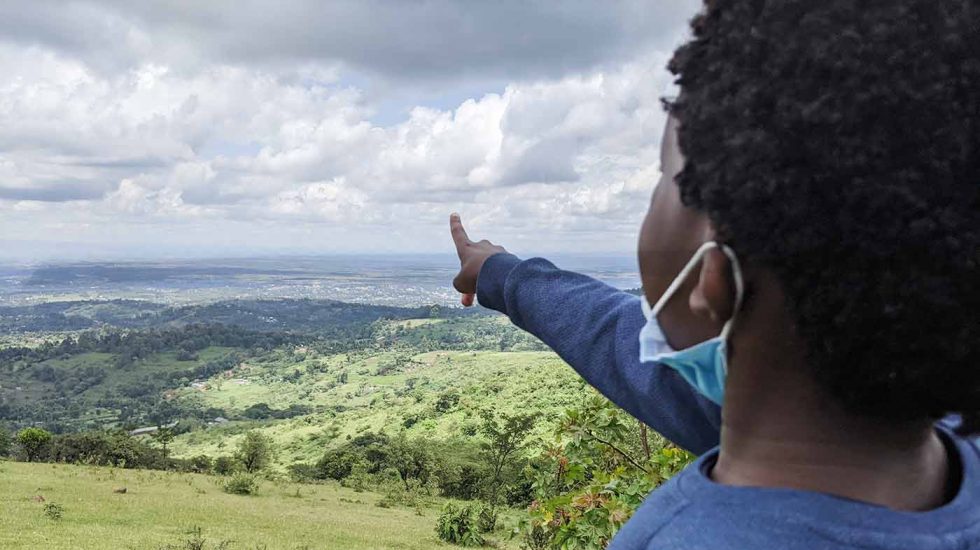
(682, 276)
(739, 295)
(739, 289)
(693, 263)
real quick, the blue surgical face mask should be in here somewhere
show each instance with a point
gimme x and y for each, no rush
(704, 365)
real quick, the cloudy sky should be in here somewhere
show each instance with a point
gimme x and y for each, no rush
(187, 128)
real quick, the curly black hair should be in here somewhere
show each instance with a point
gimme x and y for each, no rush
(838, 144)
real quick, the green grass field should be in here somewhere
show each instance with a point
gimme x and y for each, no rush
(162, 510)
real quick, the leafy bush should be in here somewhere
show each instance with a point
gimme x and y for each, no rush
(592, 478)
(337, 463)
(359, 479)
(458, 525)
(54, 511)
(461, 479)
(486, 520)
(447, 401)
(409, 493)
(225, 465)
(33, 441)
(242, 484)
(301, 472)
(201, 464)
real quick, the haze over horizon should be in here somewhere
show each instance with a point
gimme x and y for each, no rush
(180, 130)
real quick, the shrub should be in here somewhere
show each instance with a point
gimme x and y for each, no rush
(359, 478)
(462, 480)
(242, 484)
(410, 492)
(225, 465)
(519, 494)
(200, 464)
(301, 472)
(336, 464)
(486, 520)
(589, 481)
(458, 525)
(447, 401)
(54, 511)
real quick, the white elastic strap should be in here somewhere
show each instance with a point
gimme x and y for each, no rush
(693, 263)
(739, 290)
(682, 276)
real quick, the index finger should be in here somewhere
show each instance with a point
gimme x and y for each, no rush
(459, 234)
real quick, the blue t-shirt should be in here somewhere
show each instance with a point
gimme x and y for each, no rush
(594, 328)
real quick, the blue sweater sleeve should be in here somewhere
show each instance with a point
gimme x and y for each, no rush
(594, 328)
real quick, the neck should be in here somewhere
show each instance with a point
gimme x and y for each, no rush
(777, 431)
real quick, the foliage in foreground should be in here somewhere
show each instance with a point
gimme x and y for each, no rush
(459, 525)
(588, 483)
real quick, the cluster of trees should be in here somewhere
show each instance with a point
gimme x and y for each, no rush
(139, 400)
(254, 454)
(131, 346)
(262, 411)
(577, 492)
(492, 468)
(110, 448)
(455, 332)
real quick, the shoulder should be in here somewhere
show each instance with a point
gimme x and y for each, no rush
(659, 510)
(697, 523)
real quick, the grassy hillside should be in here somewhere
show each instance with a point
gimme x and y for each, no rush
(436, 394)
(162, 510)
(429, 376)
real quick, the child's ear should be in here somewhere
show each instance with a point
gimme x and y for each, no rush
(714, 295)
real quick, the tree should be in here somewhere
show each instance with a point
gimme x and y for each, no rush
(255, 452)
(506, 438)
(4, 442)
(163, 436)
(33, 441)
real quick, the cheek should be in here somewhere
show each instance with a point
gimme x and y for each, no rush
(645, 260)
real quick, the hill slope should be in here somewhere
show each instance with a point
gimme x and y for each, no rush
(162, 509)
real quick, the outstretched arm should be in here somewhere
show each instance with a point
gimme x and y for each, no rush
(594, 328)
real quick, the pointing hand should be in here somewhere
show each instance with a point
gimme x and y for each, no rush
(471, 258)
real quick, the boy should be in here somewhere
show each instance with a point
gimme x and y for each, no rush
(810, 263)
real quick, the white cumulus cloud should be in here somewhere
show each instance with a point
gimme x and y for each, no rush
(286, 151)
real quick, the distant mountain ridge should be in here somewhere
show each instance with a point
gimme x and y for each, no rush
(108, 273)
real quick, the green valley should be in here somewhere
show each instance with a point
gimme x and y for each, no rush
(301, 424)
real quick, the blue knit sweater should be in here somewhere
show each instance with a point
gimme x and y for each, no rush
(595, 328)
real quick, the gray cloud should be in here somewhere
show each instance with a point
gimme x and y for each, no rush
(65, 192)
(410, 39)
